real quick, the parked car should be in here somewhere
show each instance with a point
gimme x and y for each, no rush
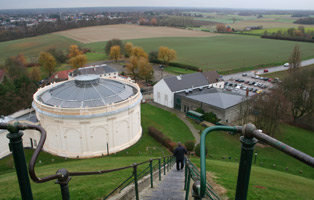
(244, 74)
(265, 70)
(254, 90)
(286, 65)
(251, 89)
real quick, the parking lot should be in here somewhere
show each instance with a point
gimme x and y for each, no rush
(253, 82)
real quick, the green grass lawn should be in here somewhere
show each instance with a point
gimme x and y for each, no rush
(168, 123)
(283, 74)
(264, 183)
(223, 146)
(176, 70)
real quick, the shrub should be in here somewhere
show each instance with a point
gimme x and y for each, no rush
(189, 145)
(211, 117)
(160, 137)
(198, 150)
(200, 110)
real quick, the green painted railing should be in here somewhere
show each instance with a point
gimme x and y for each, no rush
(63, 176)
(248, 140)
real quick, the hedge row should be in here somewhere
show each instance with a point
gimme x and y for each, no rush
(180, 65)
(287, 38)
(160, 137)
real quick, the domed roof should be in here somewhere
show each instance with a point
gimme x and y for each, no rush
(87, 91)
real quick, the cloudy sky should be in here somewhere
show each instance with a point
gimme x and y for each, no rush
(261, 4)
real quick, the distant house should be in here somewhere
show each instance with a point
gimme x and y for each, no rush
(60, 76)
(166, 88)
(102, 70)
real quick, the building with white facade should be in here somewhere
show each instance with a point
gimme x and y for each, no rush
(165, 89)
(89, 116)
(103, 70)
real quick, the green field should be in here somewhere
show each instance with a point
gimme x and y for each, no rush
(264, 184)
(226, 53)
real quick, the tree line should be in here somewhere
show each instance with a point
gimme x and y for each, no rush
(49, 27)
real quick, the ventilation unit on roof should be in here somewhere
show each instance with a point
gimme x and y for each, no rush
(186, 91)
(201, 88)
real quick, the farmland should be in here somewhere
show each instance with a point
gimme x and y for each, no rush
(123, 32)
(225, 53)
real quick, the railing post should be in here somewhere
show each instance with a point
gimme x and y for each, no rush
(247, 148)
(159, 166)
(196, 190)
(164, 165)
(151, 172)
(185, 174)
(188, 184)
(63, 181)
(135, 180)
(16, 147)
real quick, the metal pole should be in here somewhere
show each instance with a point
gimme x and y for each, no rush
(164, 165)
(135, 180)
(185, 175)
(203, 156)
(159, 166)
(247, 149)
(188, 185)
(16, 147)
(151, 172)
(63, 181)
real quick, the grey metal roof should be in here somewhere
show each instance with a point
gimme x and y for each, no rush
(87, 91)
(97, 69)
(186, 81)
(218, 98)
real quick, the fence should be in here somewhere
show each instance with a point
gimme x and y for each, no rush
(63, 176)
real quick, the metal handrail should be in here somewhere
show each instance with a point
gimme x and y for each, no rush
(249, 139)
(62, 175)
(202, 153)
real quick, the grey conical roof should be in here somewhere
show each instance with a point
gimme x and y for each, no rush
(87, 91)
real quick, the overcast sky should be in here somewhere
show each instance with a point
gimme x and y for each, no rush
(261, 4)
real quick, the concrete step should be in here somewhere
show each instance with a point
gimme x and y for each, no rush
(170, 188)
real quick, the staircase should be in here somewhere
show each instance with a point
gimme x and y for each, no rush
(170, 188)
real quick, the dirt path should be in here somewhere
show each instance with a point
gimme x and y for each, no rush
(127, 31)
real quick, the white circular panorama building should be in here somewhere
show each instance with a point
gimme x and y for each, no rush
(88, 115)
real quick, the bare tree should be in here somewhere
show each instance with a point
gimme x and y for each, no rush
(298, 88)
(269, 110)
(295, 59)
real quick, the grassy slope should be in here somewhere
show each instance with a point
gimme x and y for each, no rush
(221, 145)
(264, 183)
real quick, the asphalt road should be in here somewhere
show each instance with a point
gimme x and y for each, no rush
(270, 69)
